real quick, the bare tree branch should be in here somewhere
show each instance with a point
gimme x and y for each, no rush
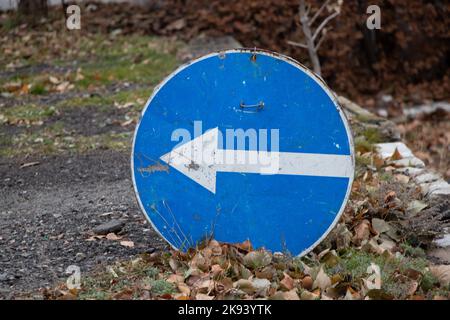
(311, 21)
(320, 42)
(308, 9)
(324, 23)
(310, 37)
(297, 44)
(313, 57)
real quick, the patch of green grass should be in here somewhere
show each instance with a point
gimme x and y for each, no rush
(94, 295)
(363, 145)
(107, 141)
(363, 161)
(94, 287)
(102, 61)
(386, 176)
(28, 113)
(160, 286)
(152, 272)
(411, 251)
(54, 139)
(10, 22)
(368, 118)
(354, 263)
(38, 89)
(428, 282)
(121, 97)
(372, 135)
(136, 59)
(5, 140)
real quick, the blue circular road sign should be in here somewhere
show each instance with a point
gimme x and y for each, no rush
(243, 144)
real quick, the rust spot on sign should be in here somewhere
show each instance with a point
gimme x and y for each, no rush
(194, 166)
(154, 168)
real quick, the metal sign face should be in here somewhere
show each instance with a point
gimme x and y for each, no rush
(239, 145)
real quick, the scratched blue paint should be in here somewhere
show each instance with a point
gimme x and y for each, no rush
(279, 212)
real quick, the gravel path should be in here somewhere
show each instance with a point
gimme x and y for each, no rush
(47, 211)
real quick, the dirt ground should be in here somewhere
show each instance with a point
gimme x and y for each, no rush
(67, 114)
(65, 165)
(48, 212)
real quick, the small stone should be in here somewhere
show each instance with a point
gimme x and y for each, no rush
(386, 150)
(410, 171)
(245, 285)
(287, 283)
(150, 250)
(387, 244)
(443, 241)
(402, 178)
(438, 187)
(380, 226)
(291, 295)
(3, 277)
(79, 256)
(415, 207)
(306, 295)
(112, 226)
(261, 286)
(445, 190)
(257, 259)
(307, 283)
(382, 113)
(426, 177)
(410, 162)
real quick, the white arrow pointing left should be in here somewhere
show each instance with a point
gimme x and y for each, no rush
(200, 160)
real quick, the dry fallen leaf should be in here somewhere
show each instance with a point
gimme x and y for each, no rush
(306, 295)
(184, 289)
(216, 270)
(63, 86)
(257, 259)
(396, 155)
(175, 278)
(362, 232)
(287, 283)
(29, 164)
(390, 196)
(307, 283)
(412, 288)
(442, 273)
(402, 178)
(125, 106)
(96, 237)
(174, 264)
(380, 226)
(261, 286)
(374, 280)
(244, 285)
(53, 80)
(246, 245)
(129, 244)
(200, 262)
(291, 295)
(352, 295)
(415, 207)
(127, 122)
(322, 280)
(113, 236)
(204, 285)
(201, 296)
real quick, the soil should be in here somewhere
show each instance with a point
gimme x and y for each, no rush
(356, 62)
(49, 210)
